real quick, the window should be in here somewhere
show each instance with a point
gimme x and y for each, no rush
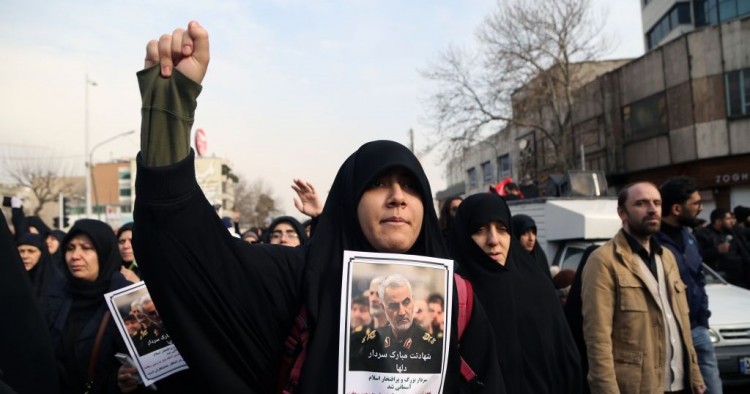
(125, 192)
(472, 177)
(645, 118)
(738, 92)
(126, 208)
(711, 12)
(124, 173)
(678, 15)
(503, 166)
(487, 172)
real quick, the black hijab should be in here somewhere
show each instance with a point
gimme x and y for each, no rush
(57, 257)
(27, 359)
(44, 273)
(522, 223)
(298, 228)
(536, 351)
(125, 227)
(339, 230)
(105, 243)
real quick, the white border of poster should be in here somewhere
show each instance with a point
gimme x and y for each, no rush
(399, 363)
(152, 366)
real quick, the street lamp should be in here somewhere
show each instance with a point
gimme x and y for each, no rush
(90, 169)
(86, 147)
(495, 173)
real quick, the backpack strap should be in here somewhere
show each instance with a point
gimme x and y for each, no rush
(91, 371)
(296, 352)
(465, 306)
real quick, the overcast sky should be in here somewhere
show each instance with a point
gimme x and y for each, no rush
(293, 88)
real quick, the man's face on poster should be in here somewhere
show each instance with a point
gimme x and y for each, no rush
(436, 311)
(399, 307)
(375, 305)
(132, 325)
(149, 309)
(360, 315)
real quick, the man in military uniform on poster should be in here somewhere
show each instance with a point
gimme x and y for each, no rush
(401, 346)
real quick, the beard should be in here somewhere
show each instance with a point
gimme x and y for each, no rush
(687, 221)
(403, 325)
(643, 229)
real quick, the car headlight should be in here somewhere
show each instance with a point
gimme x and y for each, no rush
(713, 335)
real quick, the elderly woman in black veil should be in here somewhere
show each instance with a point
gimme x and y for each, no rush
(230, 305)
(76, 310)
(536, 350)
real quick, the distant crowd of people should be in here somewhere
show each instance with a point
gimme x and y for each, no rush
(632, 319)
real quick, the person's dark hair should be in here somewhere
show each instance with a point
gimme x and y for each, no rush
(622, 196)
(511, 187)
(445, 220)
(741, 213)
(717, 214)
(676, 190)
(361, 300)
(436, 298)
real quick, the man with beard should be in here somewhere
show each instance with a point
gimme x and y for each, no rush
(681, 204)
(156, 337)
(400, 346)
(376, 308)
(635, 314)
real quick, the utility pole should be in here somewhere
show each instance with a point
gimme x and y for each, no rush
(86, 148)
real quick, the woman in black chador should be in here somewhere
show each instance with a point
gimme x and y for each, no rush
(76, 309)
(536, 351)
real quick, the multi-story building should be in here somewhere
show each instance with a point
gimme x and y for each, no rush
(682, 108)
(113, 188)
(665, 20)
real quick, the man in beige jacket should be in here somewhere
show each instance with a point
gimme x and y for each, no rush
(635, 314)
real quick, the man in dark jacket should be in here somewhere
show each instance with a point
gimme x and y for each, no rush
(719, 246)
(681, 204)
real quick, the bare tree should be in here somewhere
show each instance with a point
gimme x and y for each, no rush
(254, 201)
(531, 58)
(45, 177)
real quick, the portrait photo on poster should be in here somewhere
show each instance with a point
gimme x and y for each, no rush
(142, 329)
(394, 325)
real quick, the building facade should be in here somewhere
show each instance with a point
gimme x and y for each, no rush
(665, 20)
(113, 188)
(681, 109)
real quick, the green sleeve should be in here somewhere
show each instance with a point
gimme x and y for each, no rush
(167, 115)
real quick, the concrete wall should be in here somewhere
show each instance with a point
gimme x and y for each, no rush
(706, 45)
(642, 77)
(734, 37)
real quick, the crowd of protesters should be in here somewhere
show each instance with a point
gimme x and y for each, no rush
(229, 299)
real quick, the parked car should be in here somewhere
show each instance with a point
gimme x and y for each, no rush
(729, 327)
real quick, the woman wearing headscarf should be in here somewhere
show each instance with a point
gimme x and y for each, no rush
(26, 358)
(285, 230)
(38, 263)
(536, 350)
(524, 230)
(128, 267)
(76, 310)
(447, 216)
(247, 296)
(54, 246)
